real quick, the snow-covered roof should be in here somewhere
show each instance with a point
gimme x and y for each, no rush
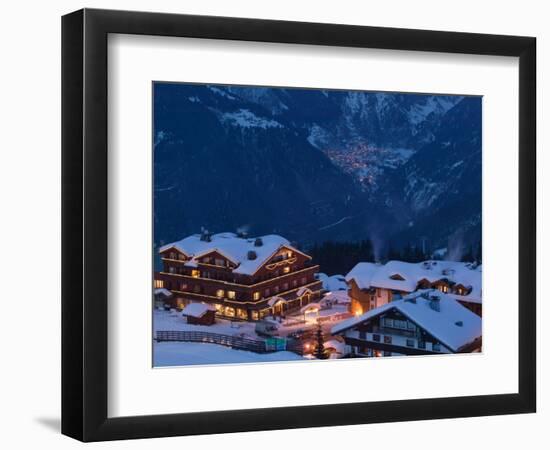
(197, 309)
(404, 276)
(303, 290)
(310, 306)
(337, 297)
(163, 291)
(332, 283)
(233, 247)
(453, 324)
(275, 299)
(362, 274)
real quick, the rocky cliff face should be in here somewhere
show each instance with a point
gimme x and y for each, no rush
(315, 165)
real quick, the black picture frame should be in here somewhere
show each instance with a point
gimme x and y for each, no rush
(84, 224)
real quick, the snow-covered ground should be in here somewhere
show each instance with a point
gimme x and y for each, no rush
(191, 353)
(173, 321)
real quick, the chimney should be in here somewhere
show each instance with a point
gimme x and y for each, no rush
(252, 255)
(258, 242)
(205, 235)
(241, 232)
(435, 303)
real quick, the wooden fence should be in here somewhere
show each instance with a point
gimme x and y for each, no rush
(236, 342)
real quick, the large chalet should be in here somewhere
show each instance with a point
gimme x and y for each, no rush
(371, 285)
(243, 278)
(422, 323)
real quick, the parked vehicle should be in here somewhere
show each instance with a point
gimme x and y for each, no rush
(298, 334)
(268, 329)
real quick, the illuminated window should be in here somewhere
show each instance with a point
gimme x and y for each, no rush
(231, 294)
(286, 269)
(289, 255)
(158, 284)
(220, 293)
(195, 273)
(256, 296)
(230, 311)
(255, 315)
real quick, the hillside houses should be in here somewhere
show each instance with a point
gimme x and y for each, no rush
(372, 285)
(422, 323)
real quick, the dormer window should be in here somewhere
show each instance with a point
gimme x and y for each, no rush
(396, 276)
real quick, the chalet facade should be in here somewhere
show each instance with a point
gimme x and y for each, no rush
(423, 323)
(243, 278)
(373, 285)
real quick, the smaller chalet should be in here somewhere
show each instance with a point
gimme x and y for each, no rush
(425, 322)
(372, 285)
(199, 314)
(163, 298)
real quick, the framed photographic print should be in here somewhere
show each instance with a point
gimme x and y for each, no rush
(262, 220)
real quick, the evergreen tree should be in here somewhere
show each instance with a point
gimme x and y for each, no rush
(478, 253)
(319, 351)
(393, 254)
(469, 255)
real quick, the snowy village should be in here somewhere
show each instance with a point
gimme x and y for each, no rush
(229, 298)
(298, 224)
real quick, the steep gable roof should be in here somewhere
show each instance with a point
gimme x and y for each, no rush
(367, 275)
(452, 324)
(234, 247)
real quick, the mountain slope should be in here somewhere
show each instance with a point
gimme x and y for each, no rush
(316, 165)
